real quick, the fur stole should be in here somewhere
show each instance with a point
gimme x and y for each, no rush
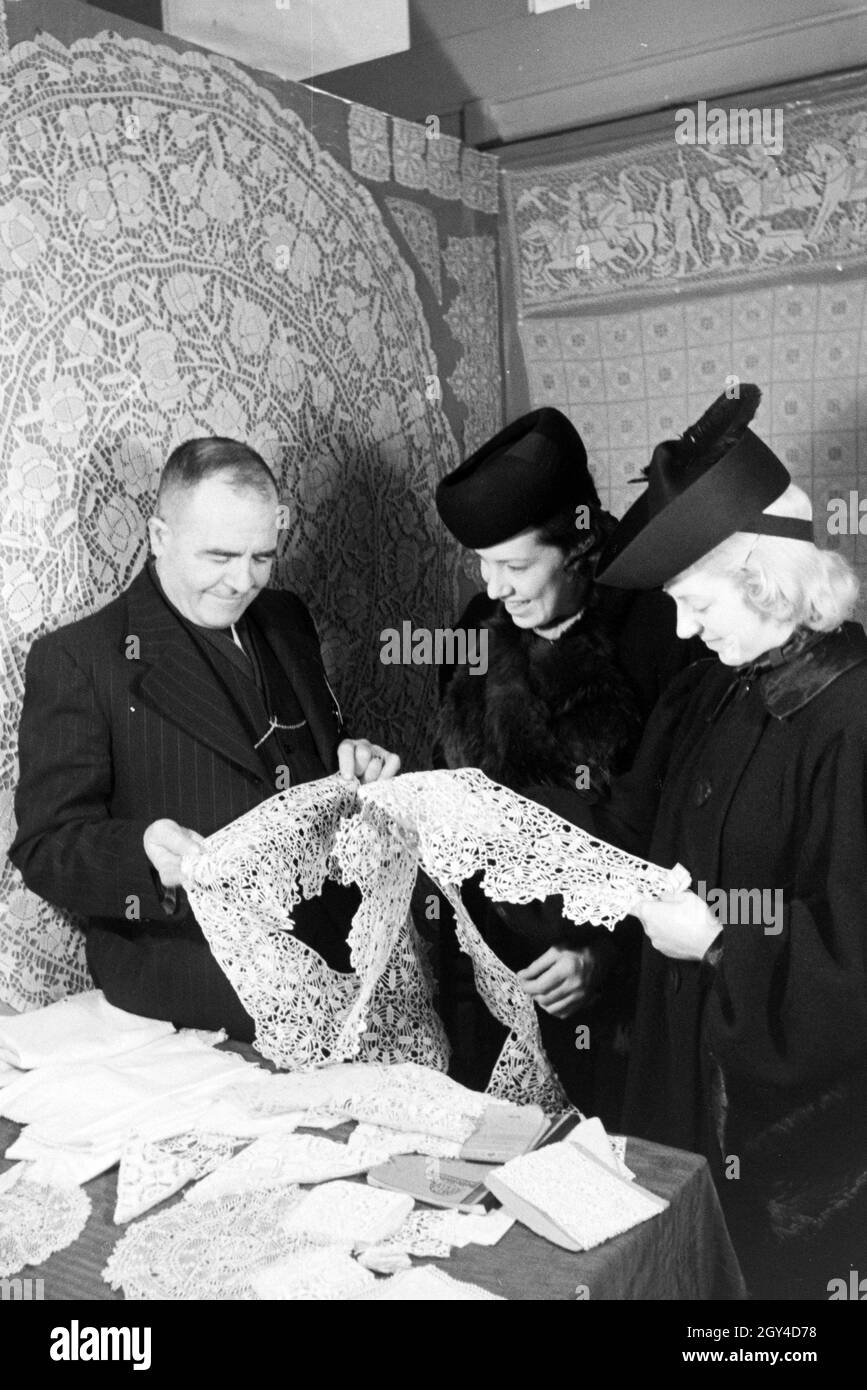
(543, 709)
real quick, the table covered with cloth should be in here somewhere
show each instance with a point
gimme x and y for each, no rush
(683, 1253)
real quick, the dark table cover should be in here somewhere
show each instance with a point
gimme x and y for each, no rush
(684, 1253)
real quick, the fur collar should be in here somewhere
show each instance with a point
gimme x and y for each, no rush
(544, 710)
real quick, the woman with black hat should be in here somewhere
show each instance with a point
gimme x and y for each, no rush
(750, 1042)
(572, 673)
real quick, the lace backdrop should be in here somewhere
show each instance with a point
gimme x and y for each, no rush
(185, 251)
(700, 261)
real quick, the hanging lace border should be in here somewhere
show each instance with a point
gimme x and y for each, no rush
(454, 824)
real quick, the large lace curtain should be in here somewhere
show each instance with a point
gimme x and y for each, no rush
(185, 250)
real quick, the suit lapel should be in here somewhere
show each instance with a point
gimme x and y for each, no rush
(178, 683)
(299, 657)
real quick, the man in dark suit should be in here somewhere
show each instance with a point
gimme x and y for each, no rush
(192, 697)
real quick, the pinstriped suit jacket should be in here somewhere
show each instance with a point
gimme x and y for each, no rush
(115, 734)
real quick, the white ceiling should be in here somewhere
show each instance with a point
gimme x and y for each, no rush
(293, 38)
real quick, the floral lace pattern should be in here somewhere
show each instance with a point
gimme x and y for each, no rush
(181, 256)
(207, 1251)
(37, 1220)
(153, 1169)
(247, 878)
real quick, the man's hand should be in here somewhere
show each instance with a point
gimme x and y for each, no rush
(560, 981)
(679, 925)
(165, 844)
(366, 761)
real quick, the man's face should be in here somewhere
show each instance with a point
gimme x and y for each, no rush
(214, 551)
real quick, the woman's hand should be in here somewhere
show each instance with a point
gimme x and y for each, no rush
(560, 981)
(679, 925)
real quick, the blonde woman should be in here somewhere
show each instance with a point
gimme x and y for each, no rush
(751, 1036)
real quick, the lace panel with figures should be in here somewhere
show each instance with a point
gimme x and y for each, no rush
(182, 257)
(245, 881)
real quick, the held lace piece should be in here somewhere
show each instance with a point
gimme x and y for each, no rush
(243, 889)
(37, 1220)
(207, 1251)
(246, 881)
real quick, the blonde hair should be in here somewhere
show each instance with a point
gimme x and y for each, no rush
(791, 581)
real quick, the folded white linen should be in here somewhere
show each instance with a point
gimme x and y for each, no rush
(54, 1168)
(80, 1117)
(80, 1028)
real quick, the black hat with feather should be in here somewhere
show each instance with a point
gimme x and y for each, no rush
(701, 489)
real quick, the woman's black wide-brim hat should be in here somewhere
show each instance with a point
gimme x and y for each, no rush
(701, 489)
(532, 469)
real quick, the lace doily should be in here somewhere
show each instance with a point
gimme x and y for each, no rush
(245, 882)
(313, 1274)
(349, 1213)
(36, 1220)
(181, 256)
(153, 1169)
(207, 1251)
(579, 1194)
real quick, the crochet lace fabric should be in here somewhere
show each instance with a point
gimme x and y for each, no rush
(586, 1200)
(207, 1251)
(188, 252)
(246, 881)
(36, 1220)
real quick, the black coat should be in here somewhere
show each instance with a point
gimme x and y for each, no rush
(758, 1058)
(542, 712)
(116, 733)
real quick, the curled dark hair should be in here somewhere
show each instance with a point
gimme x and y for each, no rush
(580, 545)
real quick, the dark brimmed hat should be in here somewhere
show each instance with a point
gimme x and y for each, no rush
(701, 489)
(533, 468)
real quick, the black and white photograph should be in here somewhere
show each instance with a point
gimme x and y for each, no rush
(433, 703)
